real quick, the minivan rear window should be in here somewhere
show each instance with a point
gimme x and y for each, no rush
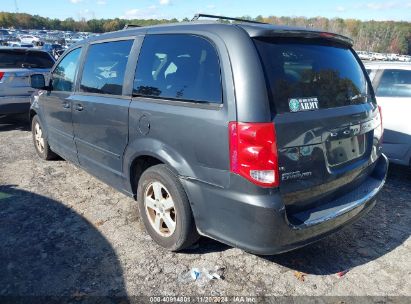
(309, 76)
(25, 59)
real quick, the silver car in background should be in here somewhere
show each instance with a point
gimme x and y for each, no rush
(16, 66)
(392, 85)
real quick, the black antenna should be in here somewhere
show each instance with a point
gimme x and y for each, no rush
(198, 16)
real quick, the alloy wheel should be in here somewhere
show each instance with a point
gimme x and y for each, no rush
(38, 137)
(160, 209)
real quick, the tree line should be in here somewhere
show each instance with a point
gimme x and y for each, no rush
(375, 36)
(372, 36)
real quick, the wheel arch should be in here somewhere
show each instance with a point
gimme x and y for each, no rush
(138, 166)
(147, 152)
(32, 114)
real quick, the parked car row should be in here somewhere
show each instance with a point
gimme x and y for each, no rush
(372, 56)
(34, 36)
(54, 42)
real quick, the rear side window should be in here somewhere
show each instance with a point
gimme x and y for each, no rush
(395, 83)
(307, 76)
(182, 67)
(105, 67)
(25, 59)
(64, 74)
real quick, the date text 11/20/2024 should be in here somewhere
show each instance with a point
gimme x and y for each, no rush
(202, 299)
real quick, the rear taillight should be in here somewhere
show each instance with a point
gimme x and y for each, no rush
(379, 131)
(253, 152)
(1, 75)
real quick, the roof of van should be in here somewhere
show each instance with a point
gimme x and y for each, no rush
(252, 29)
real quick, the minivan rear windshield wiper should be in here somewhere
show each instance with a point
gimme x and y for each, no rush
(359, 96)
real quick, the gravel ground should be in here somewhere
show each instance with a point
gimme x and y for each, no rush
(63, 232)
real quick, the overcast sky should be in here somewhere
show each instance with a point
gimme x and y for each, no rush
(144, 9)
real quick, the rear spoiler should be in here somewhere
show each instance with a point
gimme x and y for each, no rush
(307, 34)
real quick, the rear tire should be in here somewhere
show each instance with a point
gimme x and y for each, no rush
(165, 209)
(40, 142)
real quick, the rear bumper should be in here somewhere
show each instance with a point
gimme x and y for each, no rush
(14, 104)
(259, 223)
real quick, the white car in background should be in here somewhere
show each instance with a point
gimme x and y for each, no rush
(404, 58)
(29, 39)
(20, 44)
(392, 86)
(379, 56)
(364, 55)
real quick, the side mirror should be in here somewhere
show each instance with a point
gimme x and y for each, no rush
(37, 81)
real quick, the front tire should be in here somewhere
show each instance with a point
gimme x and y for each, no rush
(40, 142)
(165, 209)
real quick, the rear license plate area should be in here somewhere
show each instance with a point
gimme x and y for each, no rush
(343, 150)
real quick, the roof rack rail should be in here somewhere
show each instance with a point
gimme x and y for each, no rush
(198, 16)
(130, 25)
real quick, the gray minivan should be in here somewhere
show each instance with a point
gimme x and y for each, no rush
(265, 138)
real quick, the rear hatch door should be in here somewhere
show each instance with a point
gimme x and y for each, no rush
(324, 114)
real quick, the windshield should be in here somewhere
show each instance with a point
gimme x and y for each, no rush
(25, 59)
(307, 76)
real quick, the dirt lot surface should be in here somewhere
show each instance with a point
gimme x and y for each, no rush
(63, 232)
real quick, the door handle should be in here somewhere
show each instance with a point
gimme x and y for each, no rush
(66, 105)
(79, 107)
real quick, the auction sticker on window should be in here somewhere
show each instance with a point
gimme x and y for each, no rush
(303, 104)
